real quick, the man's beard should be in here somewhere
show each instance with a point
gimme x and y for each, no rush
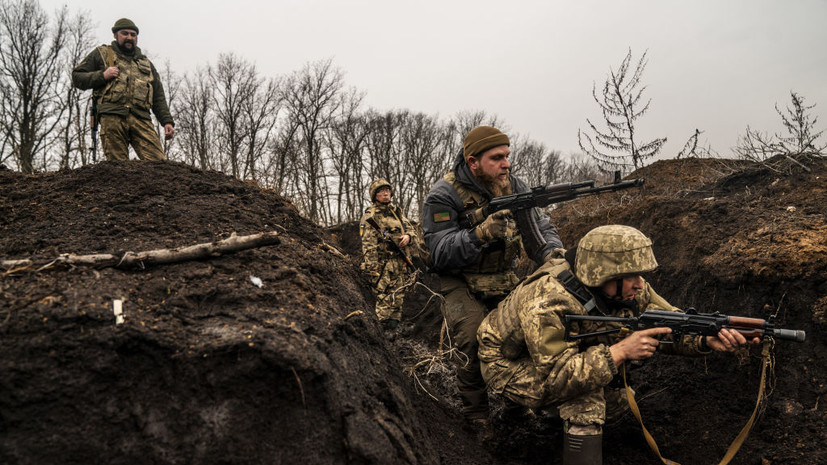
(494, 185)
(127, 48)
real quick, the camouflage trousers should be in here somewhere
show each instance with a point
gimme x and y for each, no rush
(463, 313)
(390, 291)
(519, 381)
(118, 132)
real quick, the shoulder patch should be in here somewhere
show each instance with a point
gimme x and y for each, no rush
(442, 216)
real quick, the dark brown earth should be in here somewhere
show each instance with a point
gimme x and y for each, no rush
(209, 368)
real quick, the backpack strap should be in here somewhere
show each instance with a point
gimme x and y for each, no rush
(108, 57)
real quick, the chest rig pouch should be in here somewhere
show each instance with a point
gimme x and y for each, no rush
(491, 273)
(133, 86)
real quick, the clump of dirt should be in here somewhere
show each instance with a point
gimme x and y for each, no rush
(210, 368)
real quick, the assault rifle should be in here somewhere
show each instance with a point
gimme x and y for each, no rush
(691, 322)
(392, 243)
(93, 123)
(523, 203)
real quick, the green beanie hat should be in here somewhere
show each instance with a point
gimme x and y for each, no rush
(482, 138)
(124, 23)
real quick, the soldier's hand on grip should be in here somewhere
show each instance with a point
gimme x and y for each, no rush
(494, 227)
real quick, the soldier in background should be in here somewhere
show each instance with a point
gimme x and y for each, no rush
(476, 266)
(126, 86)
(386, 268)
(524, 354)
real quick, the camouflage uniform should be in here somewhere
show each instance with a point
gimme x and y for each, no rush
(124, 103)
(387, 269)
(522, 349)
(474, 276)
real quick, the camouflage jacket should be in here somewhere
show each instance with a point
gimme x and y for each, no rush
(136, 90)
(376, 252)
(530, 323)
(454, 249)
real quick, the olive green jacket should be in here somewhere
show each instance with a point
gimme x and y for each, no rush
(138, 81)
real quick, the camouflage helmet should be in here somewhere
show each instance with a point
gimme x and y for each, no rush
(124, 23)
(609, 252)
(375, 186)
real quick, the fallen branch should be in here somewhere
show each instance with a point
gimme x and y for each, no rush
(160, 256)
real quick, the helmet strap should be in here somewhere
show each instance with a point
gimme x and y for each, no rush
(618, 289)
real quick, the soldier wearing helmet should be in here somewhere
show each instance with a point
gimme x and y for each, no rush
(386, 269)
(525, 357)
(125, 87)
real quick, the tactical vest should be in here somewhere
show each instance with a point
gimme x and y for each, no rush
(389, 218)
(492, 273)
(133, 86)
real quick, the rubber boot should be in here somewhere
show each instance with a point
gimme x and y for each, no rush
(583, 449)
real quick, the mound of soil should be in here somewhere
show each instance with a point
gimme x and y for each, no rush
(741, 239)
(207, 367)
(210, 368)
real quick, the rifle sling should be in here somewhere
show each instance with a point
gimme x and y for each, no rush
(766, 362)
(577, 289)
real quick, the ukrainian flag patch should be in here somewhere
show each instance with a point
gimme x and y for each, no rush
(442, 216)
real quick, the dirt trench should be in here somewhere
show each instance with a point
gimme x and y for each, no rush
(210, 368)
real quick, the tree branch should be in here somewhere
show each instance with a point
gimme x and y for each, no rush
(156, 257)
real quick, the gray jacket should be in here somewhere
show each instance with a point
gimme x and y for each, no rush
(452, 247)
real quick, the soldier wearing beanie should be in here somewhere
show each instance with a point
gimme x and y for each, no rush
(476, 266)
(125, 87)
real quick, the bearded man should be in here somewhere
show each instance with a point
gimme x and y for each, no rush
(476, 266)
(126, 87)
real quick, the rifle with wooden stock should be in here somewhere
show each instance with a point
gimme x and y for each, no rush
(691, 323)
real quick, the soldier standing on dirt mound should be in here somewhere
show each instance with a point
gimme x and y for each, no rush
(525, 357)
(126, 87)
(476, 265)
(386, 268)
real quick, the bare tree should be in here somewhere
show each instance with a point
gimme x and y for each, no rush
(800, 140)
(233, 80)
(582, 168)
(694, 149)
(346, 140)
(260, 116)
(621, 103)
(527, 160)
(173, 91)
(384, 148)
(311, 99)
(74, 129)
(424, 144)
(281, 168)
(196, 119)
(30, 104)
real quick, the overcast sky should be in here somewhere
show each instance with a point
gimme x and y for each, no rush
(715, 65)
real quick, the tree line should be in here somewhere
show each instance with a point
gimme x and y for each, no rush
(305, 134)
